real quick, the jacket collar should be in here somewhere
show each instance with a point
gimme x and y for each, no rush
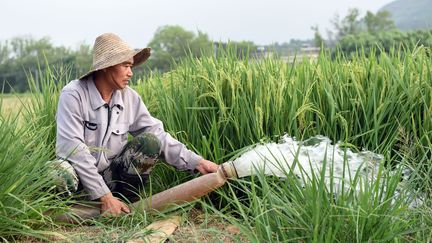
(96, 100)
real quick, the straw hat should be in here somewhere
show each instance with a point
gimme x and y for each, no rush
(110, 50)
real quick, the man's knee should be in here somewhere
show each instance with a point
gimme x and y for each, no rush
(148, 144)
(64, 176)
(141, 154)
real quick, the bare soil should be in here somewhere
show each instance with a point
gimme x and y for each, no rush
(196, 227)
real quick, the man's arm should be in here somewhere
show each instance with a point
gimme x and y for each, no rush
(172, 151)
(71, 146)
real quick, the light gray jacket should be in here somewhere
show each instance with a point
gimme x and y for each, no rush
(89, 142)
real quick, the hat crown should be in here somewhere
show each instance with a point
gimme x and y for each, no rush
(110, 50)
(106, 48)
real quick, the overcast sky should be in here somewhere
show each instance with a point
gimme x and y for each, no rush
(261, 21)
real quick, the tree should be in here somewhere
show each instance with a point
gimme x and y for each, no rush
(171, 44)
(318, 39)
(22, 56)
(353, 25)
(385, 41)
(201, 45)
(349, 25)
(4, 52)
(379, 22)
(82, 59)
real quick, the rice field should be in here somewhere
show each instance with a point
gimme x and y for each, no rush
(13, 104)
(218, 106)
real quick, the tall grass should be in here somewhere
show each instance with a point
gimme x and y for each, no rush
(272, 209)
(377, 102)
(219, 105)
(27, 143)
(23, 176)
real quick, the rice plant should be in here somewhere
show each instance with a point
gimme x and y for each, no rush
(27, 143)
(221, 105)
(287, 209)
(25, 190)
(375, 101)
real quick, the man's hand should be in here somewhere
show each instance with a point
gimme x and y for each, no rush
(112, 205)
(206, 166)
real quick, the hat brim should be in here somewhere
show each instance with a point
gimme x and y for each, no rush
(139, 58)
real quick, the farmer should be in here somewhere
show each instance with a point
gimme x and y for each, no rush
(94, 117)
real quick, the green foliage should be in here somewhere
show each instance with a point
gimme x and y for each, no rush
(354, 25)
(170, 44)
(380, 102)
(22, 176)
(375, 31)
(173, 44)
(26, 189)
(241, 49)
(24, 56)
(349, 25)
(318, 39)
(288, 209)
(223, 104)
(379, 22)
(385, 41)
(218, 105)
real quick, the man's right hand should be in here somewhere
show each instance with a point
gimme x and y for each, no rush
(112, 205)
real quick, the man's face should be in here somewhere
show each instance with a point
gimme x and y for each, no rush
(120, 74)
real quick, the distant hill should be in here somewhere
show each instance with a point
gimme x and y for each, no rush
(411, 14)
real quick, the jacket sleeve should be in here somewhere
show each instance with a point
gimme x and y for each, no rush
(172, 151)
(70, 144)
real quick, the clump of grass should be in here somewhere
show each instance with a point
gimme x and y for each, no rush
(25, 188)
(28, 140)
(375, 101)
(294, 209)
(44, 93)
(219, 105)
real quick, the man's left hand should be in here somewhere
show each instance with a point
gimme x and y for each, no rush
(206, 166)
